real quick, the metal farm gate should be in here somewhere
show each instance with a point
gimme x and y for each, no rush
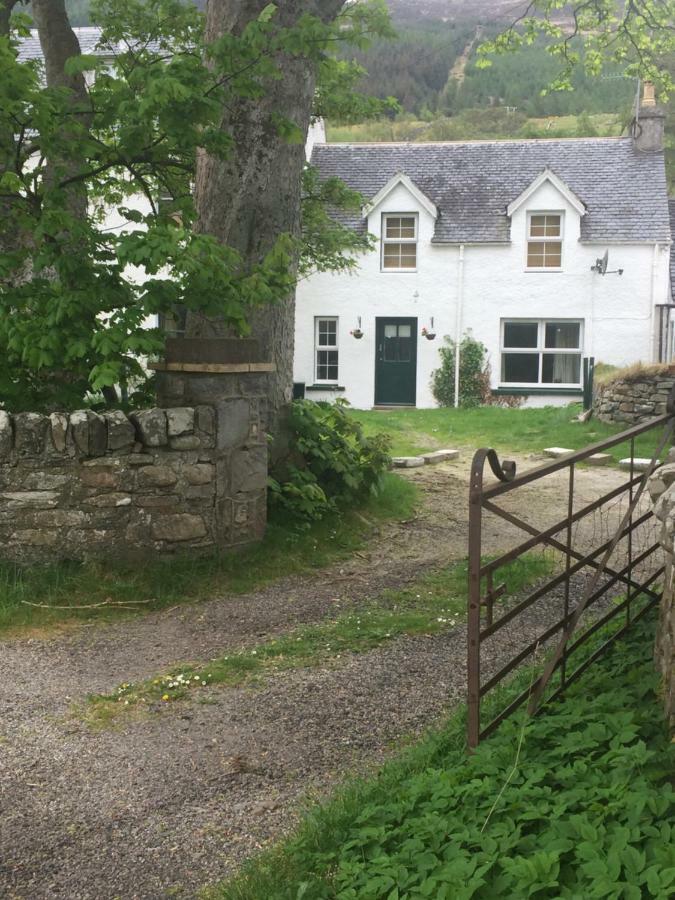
(603, 562)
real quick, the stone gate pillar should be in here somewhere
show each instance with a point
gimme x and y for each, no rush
(225, 380)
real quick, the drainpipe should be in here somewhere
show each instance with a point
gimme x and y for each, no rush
(654, 352)
(458, 324)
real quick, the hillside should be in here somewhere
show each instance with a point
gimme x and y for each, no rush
(405, 11)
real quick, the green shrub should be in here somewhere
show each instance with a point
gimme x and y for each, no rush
(331, 463)
(474, 374)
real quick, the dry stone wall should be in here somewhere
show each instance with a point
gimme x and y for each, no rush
(662, 490)
(632, 401)
(187, 477)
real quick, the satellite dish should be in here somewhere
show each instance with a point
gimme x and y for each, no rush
(601, 266)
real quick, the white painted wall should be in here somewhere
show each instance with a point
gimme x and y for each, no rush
(618, 312)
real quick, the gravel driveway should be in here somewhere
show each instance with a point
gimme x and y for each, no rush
(162, 806)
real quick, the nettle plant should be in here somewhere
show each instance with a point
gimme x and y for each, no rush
(331, 464)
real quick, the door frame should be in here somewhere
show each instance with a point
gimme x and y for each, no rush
(399, 320)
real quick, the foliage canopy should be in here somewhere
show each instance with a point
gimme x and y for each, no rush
(75, 296)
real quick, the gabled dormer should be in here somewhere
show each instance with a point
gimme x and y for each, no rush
(400, 215)
(545, 216)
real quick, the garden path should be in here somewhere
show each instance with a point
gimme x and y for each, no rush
(160, 806)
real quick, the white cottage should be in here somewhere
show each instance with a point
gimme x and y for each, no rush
(504, 240)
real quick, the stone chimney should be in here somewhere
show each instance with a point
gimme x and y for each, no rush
(649, 124)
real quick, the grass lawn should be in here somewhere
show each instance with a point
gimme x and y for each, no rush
(506, 430)
(577, 803)
(103, 591)
(432, 605)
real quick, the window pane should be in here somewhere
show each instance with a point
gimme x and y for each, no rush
(408, 228)
(390, 331)
(561, 368)
(545, 226)
(327, 365)
(327, 333)
(404, 331)
(399, 256)
(393, 227)
(562, 335)
(535, 256)
(520, 334)
(544, 254)
(552, 254)
(520, 367)
(537, 226)
(552, 226)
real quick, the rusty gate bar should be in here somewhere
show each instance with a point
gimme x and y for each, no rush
(559, 537)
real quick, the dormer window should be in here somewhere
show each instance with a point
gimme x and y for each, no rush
(544, 240)
(399, 243)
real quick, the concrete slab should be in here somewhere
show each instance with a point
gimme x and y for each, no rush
(557, 452)
(599, 459)
(640, 464)
(407, 462)
(437, 456)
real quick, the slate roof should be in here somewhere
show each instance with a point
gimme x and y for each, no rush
(29, 47)
(671, 206)
(473, 182)
(88, 36)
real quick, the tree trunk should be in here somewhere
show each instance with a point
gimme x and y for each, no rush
(8, 237)
(59, 43)
(6, 7)
(253, 196)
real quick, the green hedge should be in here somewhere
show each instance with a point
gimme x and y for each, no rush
(575, 804)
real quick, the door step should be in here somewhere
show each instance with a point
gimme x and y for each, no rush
(394, 407)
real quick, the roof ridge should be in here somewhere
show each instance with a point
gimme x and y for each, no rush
(483, 141)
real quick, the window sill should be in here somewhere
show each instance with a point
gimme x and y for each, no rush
(543, 271)
(538, 389)
(398, 271)
(325, 387)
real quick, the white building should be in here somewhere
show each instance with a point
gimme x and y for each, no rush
(499, 240)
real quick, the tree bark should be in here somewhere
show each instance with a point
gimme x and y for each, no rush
(6, 7)
(59, 43)
(253, 196)
(9, 239)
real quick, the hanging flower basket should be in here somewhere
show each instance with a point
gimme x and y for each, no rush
(357, 333)
(429, 335)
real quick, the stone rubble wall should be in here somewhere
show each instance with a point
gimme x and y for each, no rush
(157, 481)
(662, 491)
(630, 402)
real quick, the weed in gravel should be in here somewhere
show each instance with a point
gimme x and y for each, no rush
(434, 604)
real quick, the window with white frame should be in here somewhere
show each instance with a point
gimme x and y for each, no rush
(544, 240)
(541, 352)
(326, 349)
(399, 243)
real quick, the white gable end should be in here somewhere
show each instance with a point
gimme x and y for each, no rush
(419, 199)
(547, 177)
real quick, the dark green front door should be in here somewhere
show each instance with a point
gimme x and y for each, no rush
(395, 362)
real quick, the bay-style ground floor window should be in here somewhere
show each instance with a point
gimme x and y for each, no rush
(326, 349)
(541, 352)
